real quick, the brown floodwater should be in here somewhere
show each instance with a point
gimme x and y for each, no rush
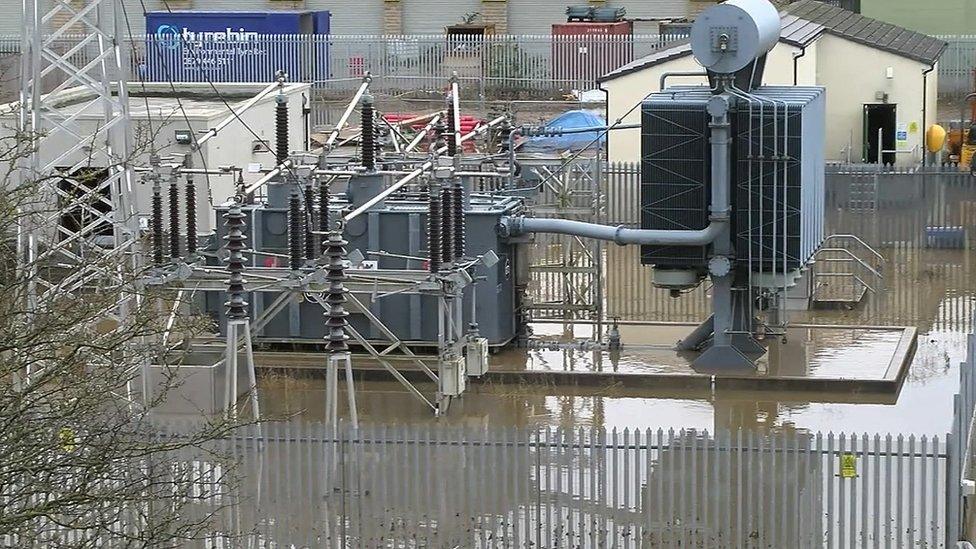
(932, 290)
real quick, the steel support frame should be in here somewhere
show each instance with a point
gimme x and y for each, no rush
(579, 271)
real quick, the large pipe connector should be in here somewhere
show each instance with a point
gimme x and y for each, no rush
(520, 225)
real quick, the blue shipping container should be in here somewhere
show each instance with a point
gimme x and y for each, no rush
(241, 46)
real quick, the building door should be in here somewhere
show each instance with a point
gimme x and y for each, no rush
(879, 117)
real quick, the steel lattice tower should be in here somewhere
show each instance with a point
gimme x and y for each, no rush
(60, 153)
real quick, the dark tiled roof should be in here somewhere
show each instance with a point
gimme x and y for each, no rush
(804, 21)
(870, 32)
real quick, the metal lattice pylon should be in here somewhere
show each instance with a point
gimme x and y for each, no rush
(85, 211)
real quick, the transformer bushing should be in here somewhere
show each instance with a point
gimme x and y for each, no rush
(457, 200)
(335, 273)
(368, 138)
(438, 138)
(157, 222)
(447, 230)
(191, 217)
(434, 224)
(295, 231)
(309, 222)
(452, 141)
(281, 128)
(323, 213)
(174, 220)
(234, 222)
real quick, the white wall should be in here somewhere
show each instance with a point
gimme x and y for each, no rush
(626, 91)
(853, 74)
(231, 146)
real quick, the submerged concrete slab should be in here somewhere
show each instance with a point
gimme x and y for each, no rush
(814, 358)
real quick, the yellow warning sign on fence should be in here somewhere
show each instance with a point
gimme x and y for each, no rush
(848, 465)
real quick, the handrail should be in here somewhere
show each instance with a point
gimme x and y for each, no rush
(859, 241)
(858, 260)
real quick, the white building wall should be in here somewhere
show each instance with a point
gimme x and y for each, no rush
(233, 146)
(853, 75)
(629, 90)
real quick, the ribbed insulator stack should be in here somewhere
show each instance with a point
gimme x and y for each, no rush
(368, 140)
(191, 216)
(281, 129)
(157, 223)
(174, 220)
(309, 221)
(438, 131)
(447, 231)
(295, 231)
(234, 222)
(335, 317)
(323, 212)
(451, 137)
(434, 224)
(457, 199)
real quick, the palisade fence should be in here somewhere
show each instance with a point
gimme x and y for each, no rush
(492, 65)
(916, 217)
(302, 484)
(496, 65)
(956, 66)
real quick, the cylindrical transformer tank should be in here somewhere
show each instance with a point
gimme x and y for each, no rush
(727, 37)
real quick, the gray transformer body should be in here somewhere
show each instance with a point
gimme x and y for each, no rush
(398, 226)
(777, 175)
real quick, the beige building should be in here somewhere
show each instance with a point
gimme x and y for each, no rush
(878, 77)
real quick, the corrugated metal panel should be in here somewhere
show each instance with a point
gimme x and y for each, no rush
(431, 16)
(537, 17)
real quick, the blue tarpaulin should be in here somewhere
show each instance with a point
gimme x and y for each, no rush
(569, 120)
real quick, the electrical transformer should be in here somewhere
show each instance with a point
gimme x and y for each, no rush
(392, 235)
(777, 181)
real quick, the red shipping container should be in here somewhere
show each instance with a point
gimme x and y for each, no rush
(585, 51)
